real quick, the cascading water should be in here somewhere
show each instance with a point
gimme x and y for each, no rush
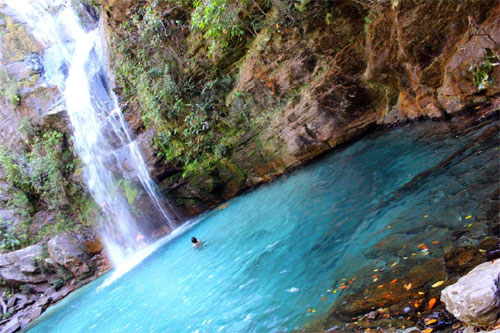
(74, 61)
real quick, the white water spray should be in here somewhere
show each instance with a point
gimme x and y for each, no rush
(74, 61)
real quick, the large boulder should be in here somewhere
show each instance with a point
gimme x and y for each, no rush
(19, 267)
(68, 251)
(475, 298)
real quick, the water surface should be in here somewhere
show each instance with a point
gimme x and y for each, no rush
(273, 253)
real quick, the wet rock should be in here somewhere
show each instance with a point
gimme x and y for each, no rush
(460, 260)
(475, 298)
(22, 70)
(18, 267)
(158, 167)
(67, 251)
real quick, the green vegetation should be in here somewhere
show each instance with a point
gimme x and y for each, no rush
(39, 178)
(8, 239)
(218, 22)
(189, 114)
(15, 41)
(482, 71)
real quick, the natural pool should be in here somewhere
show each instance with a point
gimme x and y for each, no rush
(274, 253)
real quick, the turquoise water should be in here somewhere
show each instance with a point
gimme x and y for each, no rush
(273, 253)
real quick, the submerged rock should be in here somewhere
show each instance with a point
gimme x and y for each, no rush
(475, 298)
(70, 253)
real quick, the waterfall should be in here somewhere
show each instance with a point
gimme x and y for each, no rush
(115, 172)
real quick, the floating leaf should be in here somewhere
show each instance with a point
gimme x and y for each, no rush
(380, 286)
(427, 330)
(432, 302)
(314, 310)
(421, 245)
(323, 298)
(379, 244)
(394, 264)
(468, 217)
(421, 293)
(375, 280)
(469, 225)
(408, 286)
(394, 281)
(308, 309)
(335, 291)
(426, 216)
(435, 242)
(437, 284)
(430, 322)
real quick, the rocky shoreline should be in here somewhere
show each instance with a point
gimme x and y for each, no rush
(38, 276)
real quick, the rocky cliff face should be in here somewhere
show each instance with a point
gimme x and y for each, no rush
(301, 78)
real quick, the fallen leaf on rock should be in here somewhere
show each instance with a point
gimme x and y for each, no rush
(421, 293)
(482, 251)
(437, 284)
(308, 309)
(379, 244)
(421, 245)
(427, 330)
(380, 286)
(394, 281)
(394, 264)
(432, 302)
(408, 286)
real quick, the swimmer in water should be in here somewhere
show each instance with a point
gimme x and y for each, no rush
(195, 242)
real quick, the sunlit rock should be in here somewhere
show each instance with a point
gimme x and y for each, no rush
(67, 251)
(20, 266)
(475, 298)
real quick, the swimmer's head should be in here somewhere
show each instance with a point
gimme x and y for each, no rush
(194, 240)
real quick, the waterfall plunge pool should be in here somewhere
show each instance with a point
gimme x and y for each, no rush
(272, 258)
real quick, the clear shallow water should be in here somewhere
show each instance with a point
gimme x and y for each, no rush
(274, 252)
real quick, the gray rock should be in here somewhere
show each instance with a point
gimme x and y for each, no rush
(19, 267)
(412, 330)
(475, 298)
(67, 251)
(12, 326)
(9, 219)
(21, 70)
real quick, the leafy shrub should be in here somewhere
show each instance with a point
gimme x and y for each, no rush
(482, 71)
